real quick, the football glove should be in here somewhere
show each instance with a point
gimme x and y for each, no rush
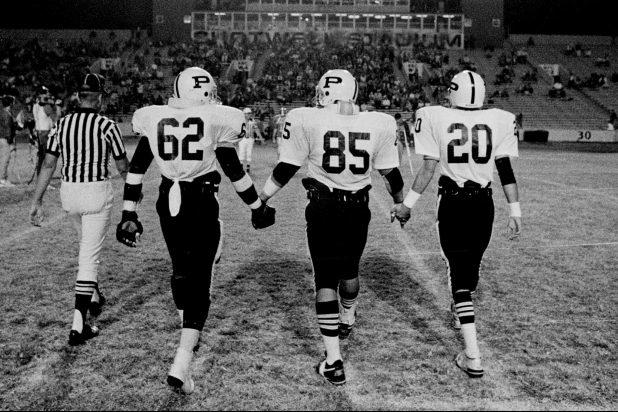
(263, 216)
(129, 229)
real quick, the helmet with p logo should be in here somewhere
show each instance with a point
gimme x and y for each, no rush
(467, 90)
(196, 84)
(336, 85)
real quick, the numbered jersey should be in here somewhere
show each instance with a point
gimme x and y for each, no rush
(183, 137)
(341, 149)
(465, 141)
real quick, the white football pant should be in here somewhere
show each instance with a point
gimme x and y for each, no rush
(245, 148)
(89, 206)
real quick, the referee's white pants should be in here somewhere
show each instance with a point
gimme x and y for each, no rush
(89, 206)
(245, 149)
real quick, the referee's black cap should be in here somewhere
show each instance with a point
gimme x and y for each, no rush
(93, 83)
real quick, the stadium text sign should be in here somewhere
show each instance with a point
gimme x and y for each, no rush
(451, 40)
(607, 136)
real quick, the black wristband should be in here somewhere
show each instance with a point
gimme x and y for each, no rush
(394, 180)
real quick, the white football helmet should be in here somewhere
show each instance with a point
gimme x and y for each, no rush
(195, 83)
(467, 90)
(336, 85)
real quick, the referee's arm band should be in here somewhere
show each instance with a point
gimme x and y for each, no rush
(505, 171)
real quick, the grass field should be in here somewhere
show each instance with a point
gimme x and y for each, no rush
(546, 306)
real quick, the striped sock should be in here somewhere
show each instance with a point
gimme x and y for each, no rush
(464, 306)
(328, 317)
(465, 311)
(84, 289)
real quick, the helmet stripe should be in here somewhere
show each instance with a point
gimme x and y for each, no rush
(176, 86)
(473, 91)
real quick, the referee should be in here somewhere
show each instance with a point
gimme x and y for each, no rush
(85, 140)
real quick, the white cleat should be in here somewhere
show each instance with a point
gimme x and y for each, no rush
(471, 366)
(179, 377)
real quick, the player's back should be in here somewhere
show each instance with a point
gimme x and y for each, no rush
(342, 149)
(183, 138)
(465, 141)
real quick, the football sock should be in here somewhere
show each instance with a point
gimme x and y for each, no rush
(347, 300)
(328, 320)
(84, 289)
(188, 339)
(465, 311)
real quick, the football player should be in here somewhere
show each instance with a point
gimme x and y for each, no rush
(341, 146)
(245, 145)
(466, 140)
(185, 138)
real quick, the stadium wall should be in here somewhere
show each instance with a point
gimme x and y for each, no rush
(487, 22)
(167, 19)
(561, 39)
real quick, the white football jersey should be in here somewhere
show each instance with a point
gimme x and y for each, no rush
(341, 149)
(183, 137)
(465, 141)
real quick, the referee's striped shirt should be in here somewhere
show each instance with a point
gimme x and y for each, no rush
(85, 140)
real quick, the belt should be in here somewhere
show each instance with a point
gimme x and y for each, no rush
(317, 191)
(207, 184)
(448, 187)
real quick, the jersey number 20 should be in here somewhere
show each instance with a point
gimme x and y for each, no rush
(463, 158)
(163, 138)
(339, 152)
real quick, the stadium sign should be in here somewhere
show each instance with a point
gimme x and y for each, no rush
(446, 40)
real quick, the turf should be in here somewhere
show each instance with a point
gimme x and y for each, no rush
(545, 307)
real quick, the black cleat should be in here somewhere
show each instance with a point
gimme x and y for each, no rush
(96, 308)
(344, 330)
(89, 332)
(333, 373)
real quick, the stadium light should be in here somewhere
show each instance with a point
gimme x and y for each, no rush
(187, 19)
(341, 14)
(448, 16)
(273, 14)
(219, 14)
(394, 15)
(316, 14)
(380, 16)
(421, 16)
(354, 16)
(368, 15)
(406, 17)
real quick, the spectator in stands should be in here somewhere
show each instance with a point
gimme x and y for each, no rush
(557, 90)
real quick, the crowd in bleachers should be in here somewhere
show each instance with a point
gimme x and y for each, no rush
(290, 70)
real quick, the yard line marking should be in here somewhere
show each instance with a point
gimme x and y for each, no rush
(223, 263)
(439, 292)
(569, 188)
(49, 223)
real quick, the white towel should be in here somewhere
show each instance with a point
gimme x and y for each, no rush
(174, 198)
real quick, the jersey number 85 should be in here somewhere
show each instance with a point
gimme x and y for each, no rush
(338, 151)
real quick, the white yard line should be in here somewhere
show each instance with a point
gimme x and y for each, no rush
(570, 188)
(432, 283)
